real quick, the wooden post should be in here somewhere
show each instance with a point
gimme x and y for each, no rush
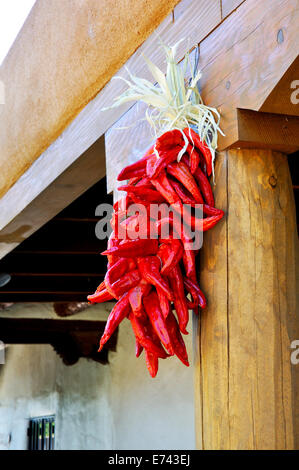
(245, 384)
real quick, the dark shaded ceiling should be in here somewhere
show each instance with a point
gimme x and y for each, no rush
(61, 261)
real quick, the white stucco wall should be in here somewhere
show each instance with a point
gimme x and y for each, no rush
(117, 406)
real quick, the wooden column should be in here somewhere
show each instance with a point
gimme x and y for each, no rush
(245, 384)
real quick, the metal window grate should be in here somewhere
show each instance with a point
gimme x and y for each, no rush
(41, 433)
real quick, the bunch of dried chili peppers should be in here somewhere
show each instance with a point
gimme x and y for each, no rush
(151, 275)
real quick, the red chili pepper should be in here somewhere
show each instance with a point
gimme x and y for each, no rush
(175, 254)
(182, 192)
(181, 172)
(164, 187)
(117, 314)
(149, 267)
(138, 348)
(150, 195)
(134, 180)
(177, 284)
(137, 169)
(207, 223)
(152, 363)
(150, 331)
(152, 308)
(144, 339)
(113, 242)
(205, 187)
(198, 297)
(176, 339)
(124, 284)
(118, 270)
(194, 158)
(156, 165)
(208, 210)
(164, 302)
(99, 297)
(122, 204)
(195, 139)
(189, 264)
(169, 140)
(145, 182)
(134, 248)
(136, 295)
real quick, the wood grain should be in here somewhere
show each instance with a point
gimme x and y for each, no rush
(248, 272)
(266, 130)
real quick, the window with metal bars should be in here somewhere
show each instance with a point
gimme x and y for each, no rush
(41, 433)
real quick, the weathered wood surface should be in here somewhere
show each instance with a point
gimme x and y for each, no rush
(249, 386)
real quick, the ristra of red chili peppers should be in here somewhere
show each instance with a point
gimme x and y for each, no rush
(151, 278)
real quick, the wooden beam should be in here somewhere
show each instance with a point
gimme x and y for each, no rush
(265, 130)
(249, 387)
(71, 339)
(284, 98)
(45, 311)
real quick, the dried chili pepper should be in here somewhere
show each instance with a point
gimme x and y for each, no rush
(194, 139)
(181, 172)
(164, 187)
(156, 165)
(152, 363)
(150, 195)
(194, 158)
(144, 339)
(136, 295)
(99, 297)
(117, 314)
(176, 339)
(149, 267)
(169, 140)
(198, 297)
(174, 254)
(205, 187)
(152, 308)
(138, 348)
(164, 301)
